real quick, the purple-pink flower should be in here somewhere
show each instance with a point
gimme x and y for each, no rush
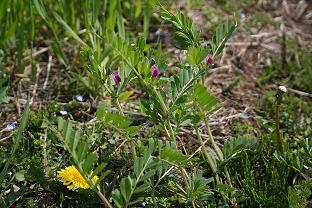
(209, 59)
(155, 71)
(116, 78)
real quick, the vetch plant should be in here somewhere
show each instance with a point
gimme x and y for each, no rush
(173, 102)
(174, 106)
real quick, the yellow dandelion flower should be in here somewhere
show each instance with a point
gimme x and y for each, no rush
(71, 177)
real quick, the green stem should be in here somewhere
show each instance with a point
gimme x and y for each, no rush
(133, 149)
(277, 130)
(131, 141)
(91, 184)
(171, 132)
(171, 135)
(154, 198)
(107, 89)
(160, 100)
(209, 159)
(218, 151)
(119, 107)
(227, 175)
(213, 143)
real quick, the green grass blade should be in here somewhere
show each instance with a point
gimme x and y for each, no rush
(18, 140)
(68, 29)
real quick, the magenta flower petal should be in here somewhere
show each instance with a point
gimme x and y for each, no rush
(155, 71)
(116, 78)
(209, 59)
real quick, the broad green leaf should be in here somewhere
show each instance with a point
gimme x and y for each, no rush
(174, 157)
(125, 95)
(144, 187)
(185, 33)
(89, 162)
(117, 198)
(195, 56)
(98, 169)
(148, 175)
(233, 147)
(205, 100)
(222, 35)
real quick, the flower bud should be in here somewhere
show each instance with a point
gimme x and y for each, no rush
(282, 88)
(279, 95)
(155, 71)
(116, 77)
(209, 59)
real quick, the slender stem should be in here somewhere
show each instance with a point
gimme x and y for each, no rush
(227, 175)
(209, 159)
(131, 141)
(277, 130)
(203, 80)
(160, 100)
(213, 143)
(171, 134)
(103, 198)
(184, 176)
(156, 93)
(107, 89)
(119, 107)
(91, 184)
(154, 199)
(218, 152)
(133, 149)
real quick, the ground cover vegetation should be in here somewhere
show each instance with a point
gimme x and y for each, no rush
(142, 103)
